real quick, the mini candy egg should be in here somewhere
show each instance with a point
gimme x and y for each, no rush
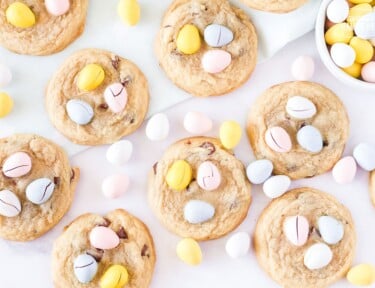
(119, 152)
(368, 72)
(115, 186)
(342, 55)
(364, 154)
(259, 171)
(197, 123)
(300, 107)
(6, 104)
(217, 35)
(157, 128)
(339, 33)
(5, 76)
(85, 268)
(188, 40)
(331, 230)
(310, 139)
(90, 77)
(189, 251)
(303, 68)
(79, 111)
(357, 11)
(318, 256)
(179, 175)
(363, 50)
(278, 139)
(116, 97)
(338, 11)
(10, 205)
(276, 186)
(129, 11)
(361, 275)
(103, 238)
(365, 26)
(215, 61)
(116, 276)
(360, 1)
(238, 245)
(296, 229)
(230, 134)
(354, 70)
(57, 7)
(197, 211)
(40, 190)
(344, 171)
(17, 165)
(20, 15)
(208, 176)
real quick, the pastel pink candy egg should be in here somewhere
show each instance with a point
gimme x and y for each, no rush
(215, 61)
(17, 164)
(115, 186)
(57, 7)
(296, 229)
(208, 176)
(103, 238)
(344, 171)
(197, 123)
(116, 97)
(278, 139)
(368, 72)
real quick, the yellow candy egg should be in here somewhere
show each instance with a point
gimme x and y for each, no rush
(360, 1)
(339, 33)
(354, 70)
(6, 104)
(230, 134)
(179, 175)
(90, 77)
(20, 15)
(361, 275)
(116, 276)
(129, 11)
(188, 40)
(357, 12)
(363, 50)
(189, 251)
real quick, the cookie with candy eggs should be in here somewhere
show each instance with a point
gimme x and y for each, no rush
(305, 238)
(97, 97)
(275, 6)
(302, 127)
(206, 47)
(37, 186)
(41, 27)
(199, 189)
(115, 250)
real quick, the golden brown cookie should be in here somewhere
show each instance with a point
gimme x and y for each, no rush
(372, 187)
(187, 71)
(286, 262)
(49, 34)
(207, 208)
(330, 118)
(134, 251)
(90, 117)
(37, 186)
(275, 6)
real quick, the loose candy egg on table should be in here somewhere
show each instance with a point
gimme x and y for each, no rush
(6, 104)
(331, 229)
(276, 186)
(238, 245)
(197, 211)
(189, 251)
(259, 171)
(20, 15)
(157, 128)
(116, 276)
(5, 75)
(179, 175)
(345, 170)
(10, 205)
(197, 123)
(364, 154)
(230, 134)
(129, 11)
(310, 139)
(17, 165)
(85, 268)
(296, 229)
(303, 68)
(217, 35)
(119, 152)
(57, 7)
(79, 111)
(300, 107)
(188, 40)
(115, 186)
(361, 275)
(278, 139)
(318, 256)
(40, 190)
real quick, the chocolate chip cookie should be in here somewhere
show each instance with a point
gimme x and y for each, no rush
(37, 186)
(97, 97)
(305, 238)
(206, 47)
(275, 6)
(199, 189)
(94, 249)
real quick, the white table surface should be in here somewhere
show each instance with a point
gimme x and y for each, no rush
(28, 264)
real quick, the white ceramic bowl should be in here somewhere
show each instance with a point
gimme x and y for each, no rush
(326, 57)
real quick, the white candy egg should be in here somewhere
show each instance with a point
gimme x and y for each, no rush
(331, 230)
(238, 245)
(310, 139)
(259, 171)
(197, 123)
(300, 107)
(157, 128)
(303, 68)
(5, 75)
(364, 154)
(318, 256)
(365, 26)
(276, 186)
(344, 170)
(343, 55)
(338, 11)
(119, 152)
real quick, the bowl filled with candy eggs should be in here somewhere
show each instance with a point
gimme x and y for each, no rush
(345, 38)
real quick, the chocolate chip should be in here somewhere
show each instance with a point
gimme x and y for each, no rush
(116, 62)
(167, 26)
(126, 81)
(303, 124)
(72, 175)
(145, 251)
(103, 106)
(209, 146)
(96, 253)
(325, 143)
(121, 233)
(155, 166)
(106, 223)
(132, 121)
(188, 142)
(56, 180)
